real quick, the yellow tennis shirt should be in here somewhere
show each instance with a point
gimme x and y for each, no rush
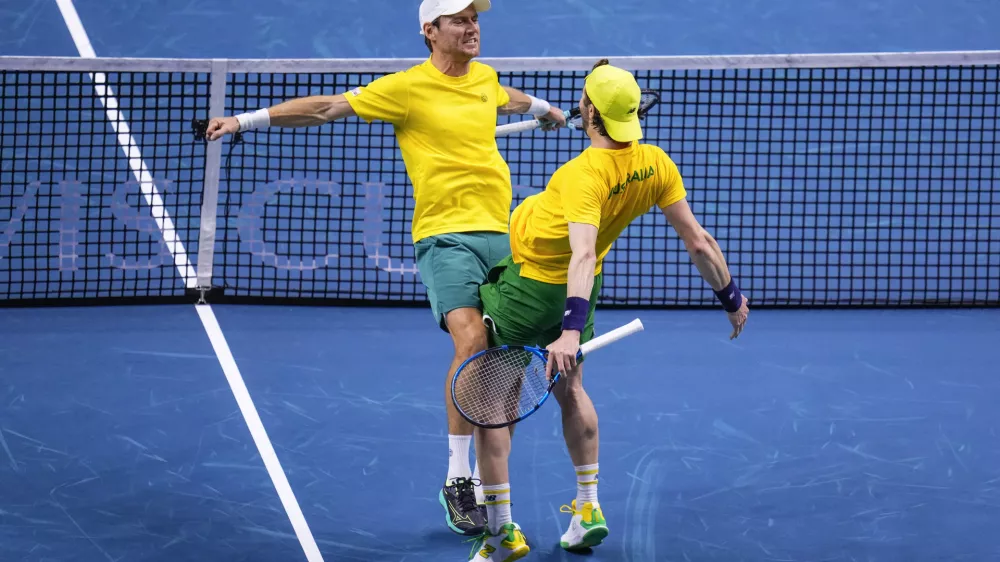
(446, 129)
(601, 187)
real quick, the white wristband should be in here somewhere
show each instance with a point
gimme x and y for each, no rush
(259, 119)
(538, 107)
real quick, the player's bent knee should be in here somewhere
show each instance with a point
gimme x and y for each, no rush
(467, 331)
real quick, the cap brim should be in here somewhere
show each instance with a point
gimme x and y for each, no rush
(623, 131)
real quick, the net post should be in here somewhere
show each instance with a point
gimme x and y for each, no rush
(210, 191)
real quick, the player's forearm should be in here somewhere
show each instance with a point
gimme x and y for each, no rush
(579, 284)
(580, 276)
(521, 103)
(707, 257)
(300, 112)
(309, 111)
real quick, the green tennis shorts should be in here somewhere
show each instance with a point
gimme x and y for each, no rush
(522, 311)
(453, 266)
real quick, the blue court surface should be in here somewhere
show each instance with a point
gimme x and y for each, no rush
(818, 435)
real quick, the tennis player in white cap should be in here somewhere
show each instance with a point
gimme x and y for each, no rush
(444, 112)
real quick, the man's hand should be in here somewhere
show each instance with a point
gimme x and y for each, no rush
(739, 318)
(554, 119)
(221, 126)
(562, 353)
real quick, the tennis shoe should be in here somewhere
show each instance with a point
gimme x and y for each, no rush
(462, 513)
(587, 528)
(506, 546)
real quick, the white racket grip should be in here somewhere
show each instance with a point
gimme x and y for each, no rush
(522, 126)
(612, 336)
(519, 127)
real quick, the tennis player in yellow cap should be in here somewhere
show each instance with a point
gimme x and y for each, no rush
(544, 294)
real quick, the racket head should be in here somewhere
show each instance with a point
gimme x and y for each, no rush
(647, 100)
(501, 386)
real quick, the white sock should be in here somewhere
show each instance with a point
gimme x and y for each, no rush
(497, 506)
(458, 457)
(586, 484)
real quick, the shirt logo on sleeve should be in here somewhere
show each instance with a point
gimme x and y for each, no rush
(637, 175)
(356, 92)
(484, 97)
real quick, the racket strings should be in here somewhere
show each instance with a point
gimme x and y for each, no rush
(500, 386)
(647, 99)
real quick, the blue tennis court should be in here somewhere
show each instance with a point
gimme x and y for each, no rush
(820, 435)
(302, 431)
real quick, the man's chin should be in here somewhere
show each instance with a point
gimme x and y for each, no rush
(471, 51)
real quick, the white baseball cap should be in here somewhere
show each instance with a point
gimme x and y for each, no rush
(431, 10)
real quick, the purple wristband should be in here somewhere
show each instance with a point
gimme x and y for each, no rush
(730, 297)
(575, 315)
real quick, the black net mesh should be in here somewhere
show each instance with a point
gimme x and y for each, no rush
(824, 187)
(79, 217)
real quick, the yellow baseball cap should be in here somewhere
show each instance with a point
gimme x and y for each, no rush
(616, 94)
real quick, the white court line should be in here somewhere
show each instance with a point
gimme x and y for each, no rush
(267, 453)
(187, 272)
(129, 147)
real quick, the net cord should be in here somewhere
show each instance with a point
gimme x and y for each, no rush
(504, 64)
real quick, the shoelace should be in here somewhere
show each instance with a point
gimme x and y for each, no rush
(465, 491)
(571, 511)
(481, 539)
(477, 542)
(568, 509)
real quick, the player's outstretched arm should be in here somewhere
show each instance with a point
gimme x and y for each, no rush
(521, 103)
(300, 112)
(707, 257)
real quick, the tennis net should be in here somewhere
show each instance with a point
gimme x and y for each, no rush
(829, 180)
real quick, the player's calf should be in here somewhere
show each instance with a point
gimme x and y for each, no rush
(579, 419)
(587, 527)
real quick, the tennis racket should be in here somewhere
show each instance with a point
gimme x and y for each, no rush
(503, 385)
(648, 99)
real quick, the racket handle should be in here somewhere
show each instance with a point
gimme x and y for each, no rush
(522, 126)
(611, 337)
(519, 127)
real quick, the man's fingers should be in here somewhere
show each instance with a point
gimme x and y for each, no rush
(562, 362)
(215, 131)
